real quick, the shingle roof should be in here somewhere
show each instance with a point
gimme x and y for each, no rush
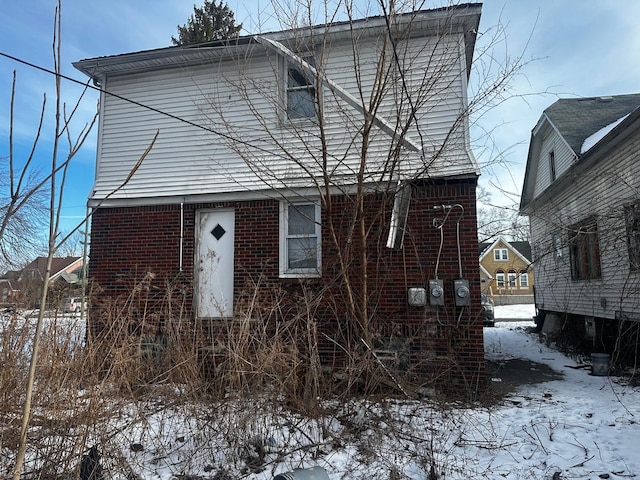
(57, 264)
(523, 247)
(578, 118)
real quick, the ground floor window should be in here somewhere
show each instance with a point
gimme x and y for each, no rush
(524, 280)
(584, 250)
(500, 279)
(300, 254)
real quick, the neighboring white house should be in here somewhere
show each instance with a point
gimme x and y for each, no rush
(582, 195)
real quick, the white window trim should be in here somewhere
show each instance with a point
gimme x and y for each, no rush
(523, 275)
(498, 254)
(500, 279)
(286, 272)
(286, 62)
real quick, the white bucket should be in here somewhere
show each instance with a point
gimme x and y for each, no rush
(600, 364)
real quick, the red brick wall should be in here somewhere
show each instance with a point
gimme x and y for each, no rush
(128, 242)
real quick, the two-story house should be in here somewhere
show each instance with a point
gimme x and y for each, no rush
(581, 193)
(24, 287)
(506, 273)
(313, 171)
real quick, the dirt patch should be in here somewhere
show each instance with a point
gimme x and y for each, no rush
(506, 375)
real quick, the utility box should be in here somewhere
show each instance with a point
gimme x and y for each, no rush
(436, 293)
(461, 292)
(417, 296)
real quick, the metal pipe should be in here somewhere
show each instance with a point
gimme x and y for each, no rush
(181, 234)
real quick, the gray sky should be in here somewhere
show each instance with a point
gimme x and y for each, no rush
(569, 48)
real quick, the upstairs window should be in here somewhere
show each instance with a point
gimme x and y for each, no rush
(300, 239)
(501, 254)
(301, 91)
(632, 222)
(552, 166)
(584, 251)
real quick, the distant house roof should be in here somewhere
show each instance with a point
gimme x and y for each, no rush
(576, 119)
(523, 248)
(60, 266)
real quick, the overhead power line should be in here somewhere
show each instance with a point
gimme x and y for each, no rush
(134, 102)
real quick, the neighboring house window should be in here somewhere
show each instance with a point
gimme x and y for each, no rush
(500, 279)
(557, 245)
(632, 221)
(501, 254)
(552, 165)
(524, 280)
(584, 251)
(301, 91)
(300, 239)
(512, 278)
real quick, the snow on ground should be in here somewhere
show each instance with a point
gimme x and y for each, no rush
(579, 426)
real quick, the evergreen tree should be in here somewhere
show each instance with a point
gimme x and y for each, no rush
(211, 22)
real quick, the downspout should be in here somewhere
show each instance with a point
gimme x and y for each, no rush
(181, 235)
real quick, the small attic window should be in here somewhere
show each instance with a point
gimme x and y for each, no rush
(552, 166)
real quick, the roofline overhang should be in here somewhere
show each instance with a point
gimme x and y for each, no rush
(464, 18)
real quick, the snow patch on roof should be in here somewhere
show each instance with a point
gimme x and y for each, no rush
(591, 140)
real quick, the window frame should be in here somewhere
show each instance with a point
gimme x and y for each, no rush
(501, 254)
(307, 272)
(584, 250)
(632, 228)
(552, 166)
(311, 85)
(512, 278)
(523, 275)
(500, 279)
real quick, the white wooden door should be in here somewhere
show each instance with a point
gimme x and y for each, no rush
(214, 263)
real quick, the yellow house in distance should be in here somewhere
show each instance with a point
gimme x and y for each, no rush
(506, 273)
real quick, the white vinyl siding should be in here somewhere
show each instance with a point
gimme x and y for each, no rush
(243, 101)
(601, 193)
(562, 159)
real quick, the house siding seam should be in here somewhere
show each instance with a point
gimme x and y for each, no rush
(129, 242)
